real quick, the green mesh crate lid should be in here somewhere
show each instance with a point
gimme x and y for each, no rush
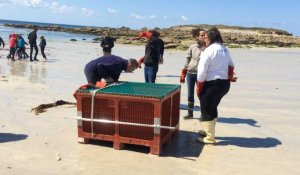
(149, 90)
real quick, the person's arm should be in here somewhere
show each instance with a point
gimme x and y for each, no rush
(45, 42)
(202, 71)
(188, 57)
(111, 44)
(102, 42)
(231, 73)
(162, 49)
(203, 66)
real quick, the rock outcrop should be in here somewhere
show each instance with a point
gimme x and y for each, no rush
(179, 37)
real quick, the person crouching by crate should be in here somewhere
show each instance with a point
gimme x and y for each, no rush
(108, 68)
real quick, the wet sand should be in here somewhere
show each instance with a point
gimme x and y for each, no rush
(257, 131)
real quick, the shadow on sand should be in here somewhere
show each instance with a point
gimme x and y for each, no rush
(185, 107)
(9, 137)
(250, 122)
(183, 145)
(252, 142)
(169, 76)
(50, 60)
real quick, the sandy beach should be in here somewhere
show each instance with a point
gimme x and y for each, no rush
(257, 130)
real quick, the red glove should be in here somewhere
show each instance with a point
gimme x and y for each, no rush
(183, 75)
(100, 84)
(231, 74)
(84, 87)
(145, 34)
(141, 60)
(199, 86)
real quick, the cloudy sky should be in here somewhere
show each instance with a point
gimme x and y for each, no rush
(281, 14)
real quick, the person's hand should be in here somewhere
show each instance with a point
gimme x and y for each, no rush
(86, 86)
(100, 84)
(140, 61)
(108, 80)
(199, 87)
(231, 74)
(183, 75)
(161, 60)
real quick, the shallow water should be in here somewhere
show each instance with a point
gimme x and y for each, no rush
(49, 35)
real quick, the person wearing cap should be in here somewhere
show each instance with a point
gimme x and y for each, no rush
(42, 45)
(32, 42)
(154, 51)
(108, 68)
(107, 43)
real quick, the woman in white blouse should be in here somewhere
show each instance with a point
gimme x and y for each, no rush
(215, 71)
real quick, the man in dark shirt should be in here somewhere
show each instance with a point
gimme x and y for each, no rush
(153, 55)
(43, 44)
(2, 42)
(32, 42)
(107, 43)
(109, 68)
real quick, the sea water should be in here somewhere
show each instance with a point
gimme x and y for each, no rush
(49, 35)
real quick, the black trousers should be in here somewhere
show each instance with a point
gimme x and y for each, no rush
(31, 50)
(210, 97)
(43, 52)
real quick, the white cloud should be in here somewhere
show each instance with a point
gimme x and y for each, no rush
(137, 16)
(27, 3)
(152, 16)
(87, 12)
(184, 18)
(110, 10)
(165, 18)
(57, 8)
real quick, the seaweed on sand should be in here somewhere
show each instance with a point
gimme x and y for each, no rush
(42, 108)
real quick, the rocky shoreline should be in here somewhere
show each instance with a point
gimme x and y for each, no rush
(179, 37)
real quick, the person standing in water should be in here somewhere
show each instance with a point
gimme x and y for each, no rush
(32, 42)
(42, 45)
(2, 42)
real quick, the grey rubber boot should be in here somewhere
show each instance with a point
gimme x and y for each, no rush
(190, 111)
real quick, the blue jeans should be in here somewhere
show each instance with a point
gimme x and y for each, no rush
(150, 73)
(191, 81)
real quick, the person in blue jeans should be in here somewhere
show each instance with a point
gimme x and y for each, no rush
(191, 66)
(153, 55)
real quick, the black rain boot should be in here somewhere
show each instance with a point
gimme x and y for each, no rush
(190, 111)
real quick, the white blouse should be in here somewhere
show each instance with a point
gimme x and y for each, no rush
(214, 62)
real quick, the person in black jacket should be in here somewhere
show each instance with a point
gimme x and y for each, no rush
(107, 43)
(32, 42)
(2, 42)
(42, 45)
(108, 68)
(154, 52)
